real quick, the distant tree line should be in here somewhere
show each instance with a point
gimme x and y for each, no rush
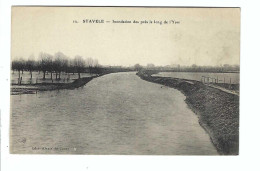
(56, 64)
(192, 68)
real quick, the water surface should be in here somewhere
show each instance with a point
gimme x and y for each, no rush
(113, 114)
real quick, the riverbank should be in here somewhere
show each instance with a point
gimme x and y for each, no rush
(217, 110)
(34, 88)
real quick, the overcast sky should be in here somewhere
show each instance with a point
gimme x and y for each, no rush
(205, 36)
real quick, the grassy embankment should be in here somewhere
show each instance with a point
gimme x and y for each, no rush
(218, 111)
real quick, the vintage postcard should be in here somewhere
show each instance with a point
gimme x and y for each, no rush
(125, 80)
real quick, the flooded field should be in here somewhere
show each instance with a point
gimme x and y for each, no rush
(113, 114)
(222, 77)
(37, 77)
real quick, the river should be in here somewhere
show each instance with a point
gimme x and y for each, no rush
(114, 114)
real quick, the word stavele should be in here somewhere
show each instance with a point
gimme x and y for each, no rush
(93, 21)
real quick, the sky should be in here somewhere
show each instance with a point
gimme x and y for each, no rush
(203, 36)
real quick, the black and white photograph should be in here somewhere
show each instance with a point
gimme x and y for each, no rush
(125, 81)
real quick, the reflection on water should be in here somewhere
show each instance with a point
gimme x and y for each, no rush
(113, 114)
(38, 77)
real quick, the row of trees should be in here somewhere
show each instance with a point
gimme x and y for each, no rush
(57, 64)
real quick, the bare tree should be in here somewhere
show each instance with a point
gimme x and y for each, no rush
(71, 66)
(45, 62)
(30, 64)
(60, 63)
(22, 64)
(50, 65)
(16, 65)
(89, 64)
(19, 65)
(79, 64)
(96, 66)
(64, 64)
